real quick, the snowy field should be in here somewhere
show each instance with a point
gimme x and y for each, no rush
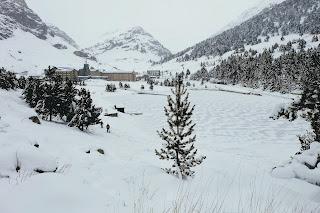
(234, 131)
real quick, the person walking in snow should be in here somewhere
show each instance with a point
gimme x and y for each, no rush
(108, 128)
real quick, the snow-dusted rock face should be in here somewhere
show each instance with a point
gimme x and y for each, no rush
(128, 49)
(55, 31)
(29, 45)
(287, 17)
(15, 14)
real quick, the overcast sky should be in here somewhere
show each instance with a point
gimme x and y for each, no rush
(177, 24)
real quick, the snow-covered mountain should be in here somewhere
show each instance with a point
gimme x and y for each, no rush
(55, 31)
(132, 49)
(283, 18)
(28, 44)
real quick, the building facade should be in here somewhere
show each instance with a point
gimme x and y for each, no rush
(119, 76)
(67, 74)
(154, 73)
(86, 73)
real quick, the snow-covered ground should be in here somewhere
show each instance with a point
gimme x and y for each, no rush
(234, 131)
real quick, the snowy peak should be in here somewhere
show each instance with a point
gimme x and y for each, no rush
(128, 49)
(133, 39)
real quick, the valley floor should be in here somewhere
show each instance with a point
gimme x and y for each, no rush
(234, 131)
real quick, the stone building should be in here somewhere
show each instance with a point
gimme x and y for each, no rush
(67, 74)
(86, 73)
(119, 76)
(154, 73)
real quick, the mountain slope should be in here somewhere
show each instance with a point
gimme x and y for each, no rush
(15, 14)
(246, 15)
(55, 31)
(129, 49)
(27, 44)
(288, 17)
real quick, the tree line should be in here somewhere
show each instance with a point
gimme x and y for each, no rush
(284, 73)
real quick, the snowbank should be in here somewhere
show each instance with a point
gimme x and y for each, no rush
(27, 160)
(302, 166)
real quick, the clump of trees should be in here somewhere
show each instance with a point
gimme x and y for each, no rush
(9, 80)
(308, 106)
(202, 75)
(283, 74)
(179, 138)
(55, 99)
(126, 86)
(168, 83)
(111, 88)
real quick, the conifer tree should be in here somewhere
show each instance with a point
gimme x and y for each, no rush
(49, 105)
(22, 82)
(67, 109)
(50, 71)
(33, 91)
(86, 114)
(8, 80)
(38, 92)
(179, 138)
(28, 90)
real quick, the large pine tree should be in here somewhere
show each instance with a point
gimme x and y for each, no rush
(179, 138)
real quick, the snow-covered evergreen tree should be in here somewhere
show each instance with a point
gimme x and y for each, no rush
(8, 80)
(50, 71)
(111, 88)
(67, 109)
(38, 93)
(33, 91)
(179, 138)
(86, 114)
(49, 104)
(28, 90)
(22, 82)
